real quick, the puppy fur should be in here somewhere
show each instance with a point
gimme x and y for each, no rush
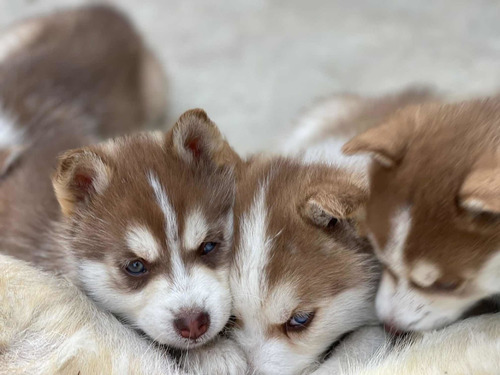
(467, 347)
(48, 326)
(433, 213)
(156, 197)
(298, 249)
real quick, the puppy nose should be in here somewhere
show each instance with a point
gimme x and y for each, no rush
(192, 324)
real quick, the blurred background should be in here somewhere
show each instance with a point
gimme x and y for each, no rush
(254, 65)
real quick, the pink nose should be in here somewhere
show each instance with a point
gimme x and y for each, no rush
(192, 324)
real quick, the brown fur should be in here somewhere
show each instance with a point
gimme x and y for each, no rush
(98, 221)
(79, 76)
(435, 157)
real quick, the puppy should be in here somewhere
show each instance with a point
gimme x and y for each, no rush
(434, 210)
(303, 278)
(142, 223)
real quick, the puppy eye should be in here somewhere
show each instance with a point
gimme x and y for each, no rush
(299, 321)
(136, 268)
(208, 247)
(446, 286)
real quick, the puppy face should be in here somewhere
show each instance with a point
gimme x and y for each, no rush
(149, 223)
(433, 213)
(301, 277)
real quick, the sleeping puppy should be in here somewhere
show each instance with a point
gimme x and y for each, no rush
(433, 215)
(142, 223)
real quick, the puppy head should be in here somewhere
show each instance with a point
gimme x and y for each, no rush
(434, 211)
(149, 222)
(301, 276)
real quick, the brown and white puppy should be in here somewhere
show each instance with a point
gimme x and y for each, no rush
(434, 210)
(65, 80)
(147, 228)
(303, 277)
(142, 223)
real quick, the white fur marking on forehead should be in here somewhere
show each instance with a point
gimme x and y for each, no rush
(425, 274)
(195, 230)
(143, 243)
(401, 224)
(253, 253)
(171, 227)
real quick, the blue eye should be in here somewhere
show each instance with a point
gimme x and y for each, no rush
(208, 247)
(136, 268)
(299, 321)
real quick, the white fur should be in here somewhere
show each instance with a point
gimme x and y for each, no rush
(10, 135)
(471, 347)
(47, 326)
(314, 121)
(154, 307)
(255, 245)
(142, 242)
(171, 227)
(489, 275)
(17, 37)
(424, 273)
(195, 230)
(393, 252)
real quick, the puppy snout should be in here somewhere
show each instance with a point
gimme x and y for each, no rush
(192, 324)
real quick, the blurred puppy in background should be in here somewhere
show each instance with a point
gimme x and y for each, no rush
(142, 223)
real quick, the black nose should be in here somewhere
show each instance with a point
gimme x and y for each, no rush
(192, 324)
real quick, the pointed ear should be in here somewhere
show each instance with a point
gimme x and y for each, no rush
(195, 138)
(480, 192)
(80, 175)
(8, 157)
(330, 202)
(385, 143)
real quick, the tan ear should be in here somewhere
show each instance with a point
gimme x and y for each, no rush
(80, 175)
(195, 137)
(480, 192)
(8, 157)
(385, 143)
(335, 201)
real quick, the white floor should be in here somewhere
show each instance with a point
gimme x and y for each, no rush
(254, 64)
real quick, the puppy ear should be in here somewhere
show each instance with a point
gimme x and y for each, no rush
(8, 157)
(480, 192)
(80, 175)
(195, 138)
(335, 201)
(385, 143)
